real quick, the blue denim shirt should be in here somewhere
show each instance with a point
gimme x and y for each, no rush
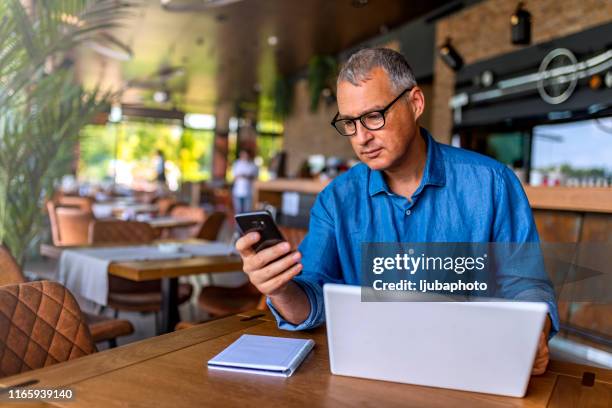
(463, 197)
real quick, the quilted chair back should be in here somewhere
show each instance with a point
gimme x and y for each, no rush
(117, 231)
(10, 273)
(40, 324)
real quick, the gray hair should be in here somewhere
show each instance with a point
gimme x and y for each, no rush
(361, 63)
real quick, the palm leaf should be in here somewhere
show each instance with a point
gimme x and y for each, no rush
(42, 111)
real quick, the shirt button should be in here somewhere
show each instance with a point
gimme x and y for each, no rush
(408, 212)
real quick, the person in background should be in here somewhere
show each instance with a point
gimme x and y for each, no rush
(160, 170)
(244, 171)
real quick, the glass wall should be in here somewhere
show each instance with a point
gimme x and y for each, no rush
(125, 152)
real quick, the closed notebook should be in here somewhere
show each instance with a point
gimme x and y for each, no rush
(278, 356)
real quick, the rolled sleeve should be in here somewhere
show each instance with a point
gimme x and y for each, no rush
(321, 265)
(317, 310)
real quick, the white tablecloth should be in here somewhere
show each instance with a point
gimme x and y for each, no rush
(85, 271)
(211, 249)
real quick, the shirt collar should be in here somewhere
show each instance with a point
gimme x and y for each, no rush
(433, 174)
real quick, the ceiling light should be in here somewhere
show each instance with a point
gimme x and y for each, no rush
(359, 3)
(520, 23)
(160, 96)
(272, 40)
(608, 79)
(450, 56)
(115, 113)
(202, 5)
(199, 121)
(71, 19)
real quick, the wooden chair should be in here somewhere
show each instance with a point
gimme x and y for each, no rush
(69, 225)
(189, 213)
(118, 231)
(165, 204)
(221, 301)
(41, 324)
(82, 203)
(124, 294)
(212, 226)
(102, 328)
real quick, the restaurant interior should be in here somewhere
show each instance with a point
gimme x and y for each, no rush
(125, 126)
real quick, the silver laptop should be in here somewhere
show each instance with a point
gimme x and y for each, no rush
(473, 346)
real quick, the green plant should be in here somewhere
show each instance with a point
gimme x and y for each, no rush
(322, 70)
(42, 108)
(283, 97)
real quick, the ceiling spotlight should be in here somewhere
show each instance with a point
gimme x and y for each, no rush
(359, 3)
(608, 79)
(487, 78)
(520, 23)
(450, 56)
(595, 82)
(160, 96)
(272, 40)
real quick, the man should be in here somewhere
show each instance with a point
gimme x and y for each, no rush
(409, 188)
(244, 171)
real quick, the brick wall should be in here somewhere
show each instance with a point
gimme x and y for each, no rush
(309, 133)
(483, 31)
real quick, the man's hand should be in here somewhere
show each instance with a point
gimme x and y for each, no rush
(542, 355)
(270, 269)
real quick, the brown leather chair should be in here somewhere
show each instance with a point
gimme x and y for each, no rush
(102, 328)
(212, 226)
(195, 214)
(221, 301)
(164, 205)
(69, 225)
(118, 231)
(10, 272)
(41, 324)
(124, 294)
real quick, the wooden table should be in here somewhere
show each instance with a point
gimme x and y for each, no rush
(170, 371)
(167, 270)
(162, 223)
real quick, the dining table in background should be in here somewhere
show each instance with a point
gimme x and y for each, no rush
(168, 270)
(120, 209)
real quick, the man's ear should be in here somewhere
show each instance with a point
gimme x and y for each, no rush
(417, 100)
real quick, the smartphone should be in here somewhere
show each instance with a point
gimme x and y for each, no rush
(263, 223)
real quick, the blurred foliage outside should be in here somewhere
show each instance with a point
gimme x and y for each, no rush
(188, 153)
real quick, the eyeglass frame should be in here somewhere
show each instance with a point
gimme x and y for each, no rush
(382, 111)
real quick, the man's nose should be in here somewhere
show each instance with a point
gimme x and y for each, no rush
(362, 135)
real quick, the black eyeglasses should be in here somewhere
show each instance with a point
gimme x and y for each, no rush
(373, 120)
